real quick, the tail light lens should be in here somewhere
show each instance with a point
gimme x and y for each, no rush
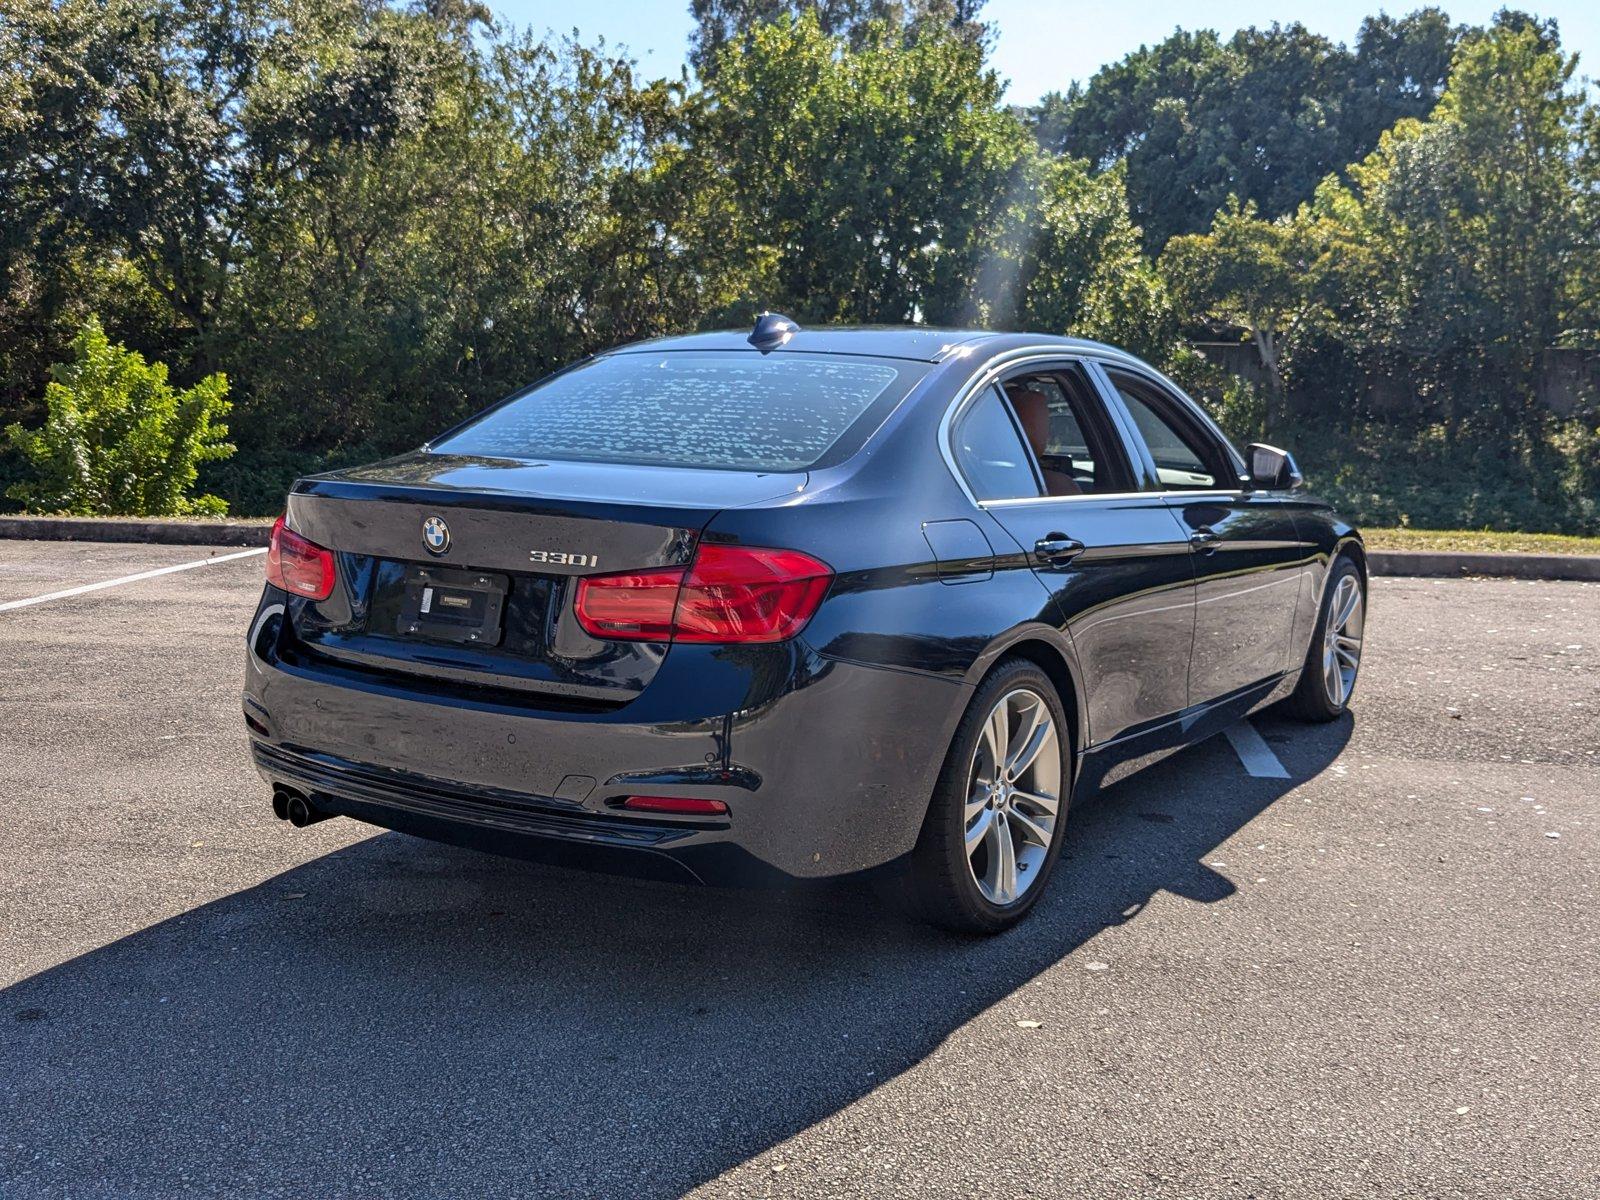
(636, 607)
(729, 594)
(745, 594)
(298, 565)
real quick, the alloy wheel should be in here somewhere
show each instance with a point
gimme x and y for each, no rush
(1341, 647)
(1013, 796)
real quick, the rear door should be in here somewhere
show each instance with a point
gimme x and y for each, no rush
(1245, 548)
(1114, 560)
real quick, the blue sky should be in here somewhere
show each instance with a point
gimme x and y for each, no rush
(1045, 44)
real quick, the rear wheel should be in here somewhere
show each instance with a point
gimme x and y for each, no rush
(1328, 678)
(994, 829)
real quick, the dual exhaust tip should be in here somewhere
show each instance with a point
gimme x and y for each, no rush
(296, 808)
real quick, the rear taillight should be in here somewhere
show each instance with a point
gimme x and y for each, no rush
(298, 565)
(728, 594)
(636, 607)
(745, 594)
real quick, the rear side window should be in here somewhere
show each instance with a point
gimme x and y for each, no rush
(723, 411)
(990, 452)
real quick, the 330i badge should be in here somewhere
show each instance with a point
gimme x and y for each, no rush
(795, 604)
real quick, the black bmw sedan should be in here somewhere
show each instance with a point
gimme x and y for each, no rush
(795, 604)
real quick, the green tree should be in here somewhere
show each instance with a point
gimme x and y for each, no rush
(151, 130)
(1264, 115)
(1582, 326)
(1261, 277)
(536, 208)
(1082, 270)
(379, 217)
(57, 67)
(118, 439)
(871, 179)
(1467, 250)
(718, 23)
(1399, 71)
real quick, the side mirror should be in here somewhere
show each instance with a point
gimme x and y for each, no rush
(1272, 469)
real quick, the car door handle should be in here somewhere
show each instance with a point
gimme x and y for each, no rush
(1205, 539)
(1057, 549)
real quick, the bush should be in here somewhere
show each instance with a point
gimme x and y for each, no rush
(118, 439)
(1380, 476)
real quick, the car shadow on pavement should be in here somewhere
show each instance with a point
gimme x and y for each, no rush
(400, 1017)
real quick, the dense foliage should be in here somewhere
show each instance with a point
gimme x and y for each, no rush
(376, 218)
(1410, 303)
(721, 23)
(1263, 116)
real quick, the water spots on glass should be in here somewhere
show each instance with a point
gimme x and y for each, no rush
(685, 410)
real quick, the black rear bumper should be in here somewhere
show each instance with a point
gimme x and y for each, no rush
(828, 774)
(542, 829)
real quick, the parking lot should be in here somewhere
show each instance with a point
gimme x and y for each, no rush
(1377, 977)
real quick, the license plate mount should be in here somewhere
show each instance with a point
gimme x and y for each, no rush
(443, 604)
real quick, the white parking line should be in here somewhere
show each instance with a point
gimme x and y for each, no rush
(110, 583)
(1253, 751)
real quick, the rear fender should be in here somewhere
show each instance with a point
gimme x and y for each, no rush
(1052, 650)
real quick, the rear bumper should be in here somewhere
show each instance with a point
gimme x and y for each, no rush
(538, 828)
(826, 767)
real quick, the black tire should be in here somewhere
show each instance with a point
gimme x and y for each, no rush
(1310, 700)
(940, 884)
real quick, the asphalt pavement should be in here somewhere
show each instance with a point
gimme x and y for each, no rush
(1377, 977)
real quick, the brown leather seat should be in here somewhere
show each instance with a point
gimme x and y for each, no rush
(1033, 412)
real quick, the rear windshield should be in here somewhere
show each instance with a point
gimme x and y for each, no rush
(727, 411)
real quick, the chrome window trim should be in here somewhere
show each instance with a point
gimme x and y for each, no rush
(948, 435)
(1092, 361)
(1022, 501)
(968, 393)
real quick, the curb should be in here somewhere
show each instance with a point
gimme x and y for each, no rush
(170, 533)
(1456, 564)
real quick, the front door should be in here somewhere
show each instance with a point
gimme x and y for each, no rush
(1246, 553)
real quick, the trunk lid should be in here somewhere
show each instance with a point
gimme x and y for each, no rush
(460, 572)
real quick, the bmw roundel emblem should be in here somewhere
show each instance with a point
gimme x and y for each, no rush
(436, 535)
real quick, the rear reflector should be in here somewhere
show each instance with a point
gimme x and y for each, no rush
(298, 565)
(729, 594)
(676, 804)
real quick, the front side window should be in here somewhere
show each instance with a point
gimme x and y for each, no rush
(1185, 460)
(720, 411)
(990, 452)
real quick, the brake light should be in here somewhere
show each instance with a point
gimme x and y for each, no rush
(635, 607)
(729, 594)
(684, 805)
(298, 565)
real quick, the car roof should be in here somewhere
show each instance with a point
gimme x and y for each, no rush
(920, 343)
